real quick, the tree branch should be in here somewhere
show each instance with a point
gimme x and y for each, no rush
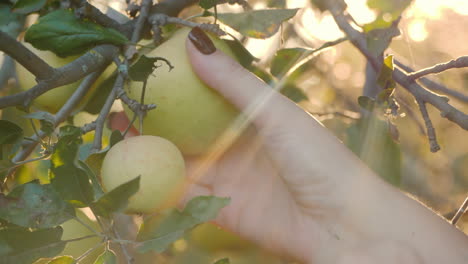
(101, 119)
(6, 71)
(88, 10)
(359, 41)
(25, 57)
(434, 86)
(74, 71)
(431, 135)
(141, 20)
(28, 146)
(460, 62)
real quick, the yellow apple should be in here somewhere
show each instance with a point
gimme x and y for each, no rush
(188, 113)
(209, 237)
(159, 164)
(54, 99)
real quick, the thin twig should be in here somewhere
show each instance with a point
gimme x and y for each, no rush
(127, 255)
(141, 20)
(27, 161)
(460, 212)
(408, 110)
(434, 86)
(431, 134)
(162, 19)
(460, 62)
(359, 41)
(101, 119)
(94, 14)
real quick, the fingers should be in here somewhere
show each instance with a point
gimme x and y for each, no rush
(261, 103)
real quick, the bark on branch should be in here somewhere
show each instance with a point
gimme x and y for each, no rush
(460, 62)
(359, 41)
(72, 72)
(25, 57)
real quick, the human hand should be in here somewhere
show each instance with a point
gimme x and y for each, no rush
(295, 189)
(286, 175)
(298, 191)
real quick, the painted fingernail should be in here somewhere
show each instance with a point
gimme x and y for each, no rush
(201, 41)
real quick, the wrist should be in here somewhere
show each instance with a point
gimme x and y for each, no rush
(376, 211)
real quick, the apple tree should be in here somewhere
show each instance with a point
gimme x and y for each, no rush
(77, 78)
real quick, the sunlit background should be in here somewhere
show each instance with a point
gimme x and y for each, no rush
(432, 31)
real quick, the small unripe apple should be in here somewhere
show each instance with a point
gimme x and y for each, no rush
(159, 164)
(188, 113)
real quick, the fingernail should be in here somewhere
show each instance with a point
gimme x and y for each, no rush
(201, 41)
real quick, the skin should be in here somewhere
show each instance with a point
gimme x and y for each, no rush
(298, 191)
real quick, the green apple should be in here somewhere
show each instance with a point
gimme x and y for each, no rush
(188, 113)
(159, 164)
(54, 99)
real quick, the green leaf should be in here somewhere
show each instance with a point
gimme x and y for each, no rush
(284, 59)
(207, 4)
(143, 68)
(385, 80)
(222, 261)
(257, 23)
(66, 176)
(370, 139)
(10, 23)
(366, 102)
(107, 257)
(62, 260)
(10, 133)
(243, 56)
(28, 6)
(26, 246)
(293, 92)
(379, 39)
(115, 138)
(97, 189)
(262, 74)
(158, 233)
(64, 34)
(35, 206)
(117, 199)
(389, 6)
(46, 119)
